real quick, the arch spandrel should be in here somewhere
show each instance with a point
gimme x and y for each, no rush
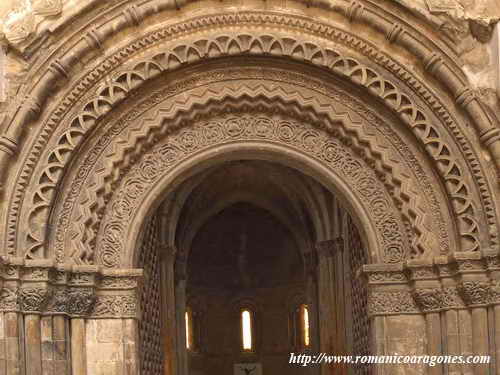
(469, 226)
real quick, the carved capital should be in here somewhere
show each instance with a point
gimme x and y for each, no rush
(113, 282)
(9, 299)
(40, 287)
(475, 293)
(452, 298)
(391, 302)
(34, 299)
(80, 301)
(429, 299)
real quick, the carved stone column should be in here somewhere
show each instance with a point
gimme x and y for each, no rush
(493, 263)
(330, 320)
(180, 308)
(112, 334)
(12, 317)
(427, 292)
(34, 295)
(36, 301)
(311, 272)
(81, 298)
(398, 323)
(455, 317)
(474, 286)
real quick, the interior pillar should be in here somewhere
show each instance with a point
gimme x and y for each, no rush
(167, 254)
(426, 290)
(180, 309)
(329, 319)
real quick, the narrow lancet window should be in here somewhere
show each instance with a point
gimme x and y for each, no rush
(305, 326)
(189, 330)
(246, 325)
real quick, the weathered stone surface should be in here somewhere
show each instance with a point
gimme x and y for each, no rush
(389, 109)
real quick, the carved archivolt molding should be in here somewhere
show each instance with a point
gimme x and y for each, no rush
(38, 287)
(254, 127)
(192, 51)
(96, 188)
(452, 171)
(21, 26)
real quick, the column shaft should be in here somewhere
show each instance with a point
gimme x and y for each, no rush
(78, 343)
(452, 339)
(33, 339)
(61, 344)
(434, 344)
(480, 337)
(13, 339)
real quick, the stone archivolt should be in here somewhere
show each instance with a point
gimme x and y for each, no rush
(141, 135)
(228, 129)
(464, 197)
(39, 287)
(254, 44)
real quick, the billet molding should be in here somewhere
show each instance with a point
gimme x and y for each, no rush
(43, 288)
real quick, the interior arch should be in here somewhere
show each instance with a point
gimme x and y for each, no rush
(250, 235)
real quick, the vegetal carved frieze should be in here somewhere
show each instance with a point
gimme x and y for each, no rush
(475, 292)
(34, 299)
(429, 299)
(391, 302)
(243, 127)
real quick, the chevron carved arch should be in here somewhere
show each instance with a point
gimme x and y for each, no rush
(141, 125)
(450, 166)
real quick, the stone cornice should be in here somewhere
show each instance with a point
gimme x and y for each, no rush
(40, 287)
